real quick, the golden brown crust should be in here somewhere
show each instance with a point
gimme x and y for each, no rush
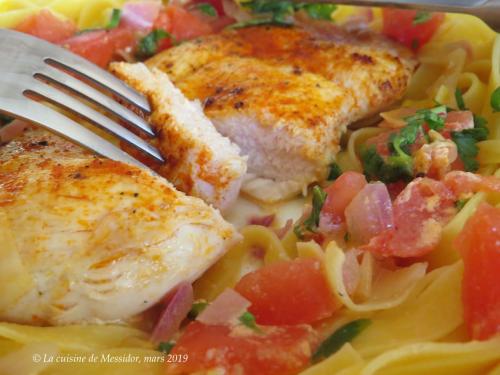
(192, 162)
(311, 83)
(101, 239)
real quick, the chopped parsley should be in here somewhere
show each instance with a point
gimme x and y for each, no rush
(114, 21)
(196, 309)
(422, 17)
(312, 222)
(495, 100)
(461, 204)
(395, 168)
(335, 172)
(281, 12)
(399, 164)
(341, 336)
(149, 44)
(432, 117)
(318, 11)
(347, 237)
(248, 320)
(460, 100)
(166, 347)
(466, 142)
(207, 9)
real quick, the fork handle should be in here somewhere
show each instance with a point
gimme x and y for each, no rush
(487, 10)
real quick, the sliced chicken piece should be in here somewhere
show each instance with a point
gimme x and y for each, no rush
(200, 161)
(286, 95)
(99, 240)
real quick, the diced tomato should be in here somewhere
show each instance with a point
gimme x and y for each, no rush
(47, 26)
(290, 292)
(381, 142)
(465, 183)
(181, 23)
(420, 212)
(399, 24)
(457, 121)
(101, 46)
(340, 194)
(395, 188)
(479, 244)
(274, 351)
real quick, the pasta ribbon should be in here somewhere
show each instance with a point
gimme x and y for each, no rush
(471, 358)
(348, 160)
(389, 289)
(85, 13)
(431, 311)
(445, 253)
(238, 261)
(345, 358)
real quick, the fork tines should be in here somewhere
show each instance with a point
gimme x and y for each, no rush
(33, 69)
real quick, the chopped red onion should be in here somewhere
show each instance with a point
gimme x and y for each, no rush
(369, 213)
(177, 309)
(140, 15)
(265, 221)
(228, 306)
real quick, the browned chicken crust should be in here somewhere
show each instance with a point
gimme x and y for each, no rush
(286, 95)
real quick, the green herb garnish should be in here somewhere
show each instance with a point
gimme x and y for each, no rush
(207, 8)
(399, 165)
(281, 12)
(460, 100)
(335, 172)
(196, 310)
(466, 142)
(248, 320)
(422, 17)
(432, 117)
(318, 11)
(166, 347)
(347, 237)
(395, 168)
(341, 336)
(495, 100)
(114, 21)
(149, 44)
(312, 222)
(461, 203)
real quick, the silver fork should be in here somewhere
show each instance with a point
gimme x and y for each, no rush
(487, 10)
(32, 71)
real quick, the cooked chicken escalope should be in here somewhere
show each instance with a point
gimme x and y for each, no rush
(285, 95)
(94, 239)
(199, 160)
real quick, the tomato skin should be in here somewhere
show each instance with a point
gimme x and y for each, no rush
(45, 25)
(100, 46)
(340, 193)
(290, 292)
(181, 23)
(276, 351)
(398, 25)
(420, 211)
(479, 244)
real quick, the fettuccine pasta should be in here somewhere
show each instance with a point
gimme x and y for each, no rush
(416, 315)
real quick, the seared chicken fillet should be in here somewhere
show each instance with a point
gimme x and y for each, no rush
(95, 240)
(286, 95)
(199, 160)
